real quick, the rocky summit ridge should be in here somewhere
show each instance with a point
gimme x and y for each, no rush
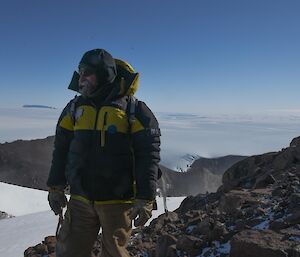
(256, 212)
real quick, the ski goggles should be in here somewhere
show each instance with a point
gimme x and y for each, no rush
(85, 70)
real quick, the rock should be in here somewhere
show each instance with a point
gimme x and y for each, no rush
(295, 198)
(264, 180)
(245, 173)
(219, 231)
(205, 227)
(192, 217)
(279, 191)
(284, 159)
(254, 222)
(4, 215)
(163, 244)
(189, 244)
(231, 202)
(240, 224)
(162, 220)
(278, 224)
(260, 211)
(295, 142)
(194, 221)
(253, 243)
(172, 251)
(294, 218)
(50, 242)
(291, 232)
(198, 202)
(30, 251)
(41, 249)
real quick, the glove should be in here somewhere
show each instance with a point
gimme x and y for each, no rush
(57, 199)
(141, 212)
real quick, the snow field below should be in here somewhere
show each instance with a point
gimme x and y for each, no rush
(34, 219)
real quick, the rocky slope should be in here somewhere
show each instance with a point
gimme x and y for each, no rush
(27, 163)
(255, 213)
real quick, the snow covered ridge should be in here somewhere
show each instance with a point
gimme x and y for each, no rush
(17, 201)
(185, 162)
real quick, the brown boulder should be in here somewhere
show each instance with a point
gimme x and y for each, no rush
(294, 218)
(172, 251)
(50, 242)
(157, 224)
(245, 173)
(267, 243)
(232, 201)
(264, 180)
(189, 244)
(163, 244)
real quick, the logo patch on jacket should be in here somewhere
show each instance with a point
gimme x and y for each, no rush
(112, 129)
(78, 113)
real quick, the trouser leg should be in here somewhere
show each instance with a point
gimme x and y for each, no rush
(116, 229)
(79, 230)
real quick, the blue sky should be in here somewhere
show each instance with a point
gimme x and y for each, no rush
(196, 56)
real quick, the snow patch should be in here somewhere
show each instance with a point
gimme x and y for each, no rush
(294, 238)
(19, 233)
(17, 200)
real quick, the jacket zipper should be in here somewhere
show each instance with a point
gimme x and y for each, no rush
(95, 146)
(103, 129)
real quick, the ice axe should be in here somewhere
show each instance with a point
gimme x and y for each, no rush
(59, 223)
(164, 195)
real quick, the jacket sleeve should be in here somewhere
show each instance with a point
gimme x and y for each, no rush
(146, 146)
(63, 137)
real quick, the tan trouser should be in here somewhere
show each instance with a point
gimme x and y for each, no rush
(81, 226)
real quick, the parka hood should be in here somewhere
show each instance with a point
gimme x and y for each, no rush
(125, 83)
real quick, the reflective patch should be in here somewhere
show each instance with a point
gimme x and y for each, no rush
(155, 132)
(78, 113)
(112, 129)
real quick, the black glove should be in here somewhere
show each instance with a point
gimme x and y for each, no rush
(57, 199)
(141, 209)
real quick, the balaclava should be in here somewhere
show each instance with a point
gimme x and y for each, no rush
(104, 66)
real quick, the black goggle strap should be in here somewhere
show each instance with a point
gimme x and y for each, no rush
(86, 70)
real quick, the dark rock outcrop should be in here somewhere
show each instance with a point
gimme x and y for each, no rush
(4, 215)
(260, 171)
(26, 163)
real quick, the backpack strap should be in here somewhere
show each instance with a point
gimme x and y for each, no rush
(131, 110)
(72, 110)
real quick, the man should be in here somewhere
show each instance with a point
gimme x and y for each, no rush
(106, 150)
